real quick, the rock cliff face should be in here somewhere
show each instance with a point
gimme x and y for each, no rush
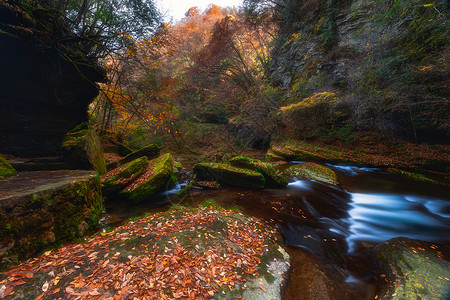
(387, 61)
(46, 82)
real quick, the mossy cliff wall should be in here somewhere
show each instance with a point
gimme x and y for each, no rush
(385, 60)
(46, 81)
(39, 209)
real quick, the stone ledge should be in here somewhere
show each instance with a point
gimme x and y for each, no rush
(39, 209)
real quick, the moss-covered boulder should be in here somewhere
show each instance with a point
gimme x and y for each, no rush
(413, 270)
(294, 151)
(82, 149)
(157, 176)
(270, 156)
(6, 170)
(272, 177)
(40, 209)
(151, 151)
(313, 171)
(228, 175)
(196, 253)
(415, 176)
(117, 179)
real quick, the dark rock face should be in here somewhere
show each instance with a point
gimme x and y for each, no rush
(46, 83)
(385, 55)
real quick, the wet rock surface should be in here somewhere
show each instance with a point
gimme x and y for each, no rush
(414, 269)
(229, 175)
(313, 171)
(273, 178)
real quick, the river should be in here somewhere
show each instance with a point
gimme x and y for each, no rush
(330, 231)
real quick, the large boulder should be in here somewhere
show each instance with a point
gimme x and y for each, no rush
(229, 175)
(40, 209)
(117, 179)
(196, 253)
(414, 269)
(151, 151)
(313, 171)
(6, 170)
(294, 150)
(273, 177)
(157, 177)
(82, 149)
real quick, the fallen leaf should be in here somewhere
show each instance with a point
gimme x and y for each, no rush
(45, 287)
(94, 293)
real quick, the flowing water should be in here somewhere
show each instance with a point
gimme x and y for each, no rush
(329, 231)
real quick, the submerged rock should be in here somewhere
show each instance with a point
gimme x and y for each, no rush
(413, 270)
(313, 171)
(229, 175)
(415, 176)
(157, 177)
(6, 170)
(272, 177)
(116, 180)
(82, 149)
(39, 209)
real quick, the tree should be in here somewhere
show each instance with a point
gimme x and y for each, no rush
(99, 25)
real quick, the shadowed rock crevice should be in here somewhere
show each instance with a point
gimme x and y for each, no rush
(47, 82)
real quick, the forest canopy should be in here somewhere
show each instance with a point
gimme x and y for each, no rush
(99, 26)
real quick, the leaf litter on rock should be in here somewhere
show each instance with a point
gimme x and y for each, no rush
(97, 270)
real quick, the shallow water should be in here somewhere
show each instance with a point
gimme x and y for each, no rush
(337, 226)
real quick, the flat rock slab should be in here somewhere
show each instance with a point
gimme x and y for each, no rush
(33, 182)
(37, 163)
(38, 209)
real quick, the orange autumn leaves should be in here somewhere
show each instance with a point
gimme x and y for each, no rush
(189, 254)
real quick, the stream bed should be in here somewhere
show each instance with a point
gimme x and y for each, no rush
(330, 231)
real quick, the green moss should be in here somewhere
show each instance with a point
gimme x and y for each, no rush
(229, 175)
(177, 165)
(415, 176)
(272, 177)
(128, 174)
(161, 177)
(313, 171)
(414, 270)
(82, 149)
(188, 187)
(6, 170)
(270, 156)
